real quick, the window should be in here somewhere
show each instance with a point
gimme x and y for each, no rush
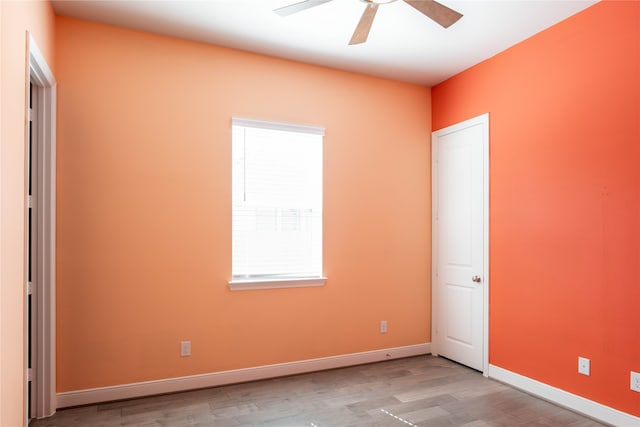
(276, 205)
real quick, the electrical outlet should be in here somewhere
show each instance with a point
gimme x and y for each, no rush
(383, 326)
(185, 348)
(584, 366)
(635, 381)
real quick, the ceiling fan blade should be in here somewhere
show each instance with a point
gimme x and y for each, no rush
(362, 30)
(436, 11)
(298, 7)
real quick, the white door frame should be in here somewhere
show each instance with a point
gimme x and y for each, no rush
(44, 359)
(435, 304)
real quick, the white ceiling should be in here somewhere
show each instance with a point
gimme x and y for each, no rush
(403, 44)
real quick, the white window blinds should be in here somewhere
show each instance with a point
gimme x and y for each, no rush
(276, 200)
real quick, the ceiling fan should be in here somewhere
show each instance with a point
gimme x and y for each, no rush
(432, 9)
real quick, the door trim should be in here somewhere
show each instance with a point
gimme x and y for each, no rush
(483, 120)
(40, 74)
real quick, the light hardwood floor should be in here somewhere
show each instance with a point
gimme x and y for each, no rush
(417, 391)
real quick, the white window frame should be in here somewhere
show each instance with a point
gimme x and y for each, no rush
(252, 283)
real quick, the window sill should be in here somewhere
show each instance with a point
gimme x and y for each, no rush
(253, 284)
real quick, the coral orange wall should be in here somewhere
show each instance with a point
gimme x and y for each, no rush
(144, 209)
(16, 18)
(565, 199)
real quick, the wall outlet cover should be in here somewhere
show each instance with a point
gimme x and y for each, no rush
(635, 381)
(383, 326)
(185, 348)
(584, 366)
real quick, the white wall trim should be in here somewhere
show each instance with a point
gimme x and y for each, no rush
(45, 144)
(258, 284)
(169, 385)
(563, 398)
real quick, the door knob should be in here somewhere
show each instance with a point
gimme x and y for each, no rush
(477, 279)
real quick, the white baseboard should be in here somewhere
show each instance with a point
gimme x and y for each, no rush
(563, 398)
(170, 385)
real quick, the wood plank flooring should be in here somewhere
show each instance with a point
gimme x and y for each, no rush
(417, 391)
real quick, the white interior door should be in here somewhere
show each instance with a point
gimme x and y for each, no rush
(460, 248)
